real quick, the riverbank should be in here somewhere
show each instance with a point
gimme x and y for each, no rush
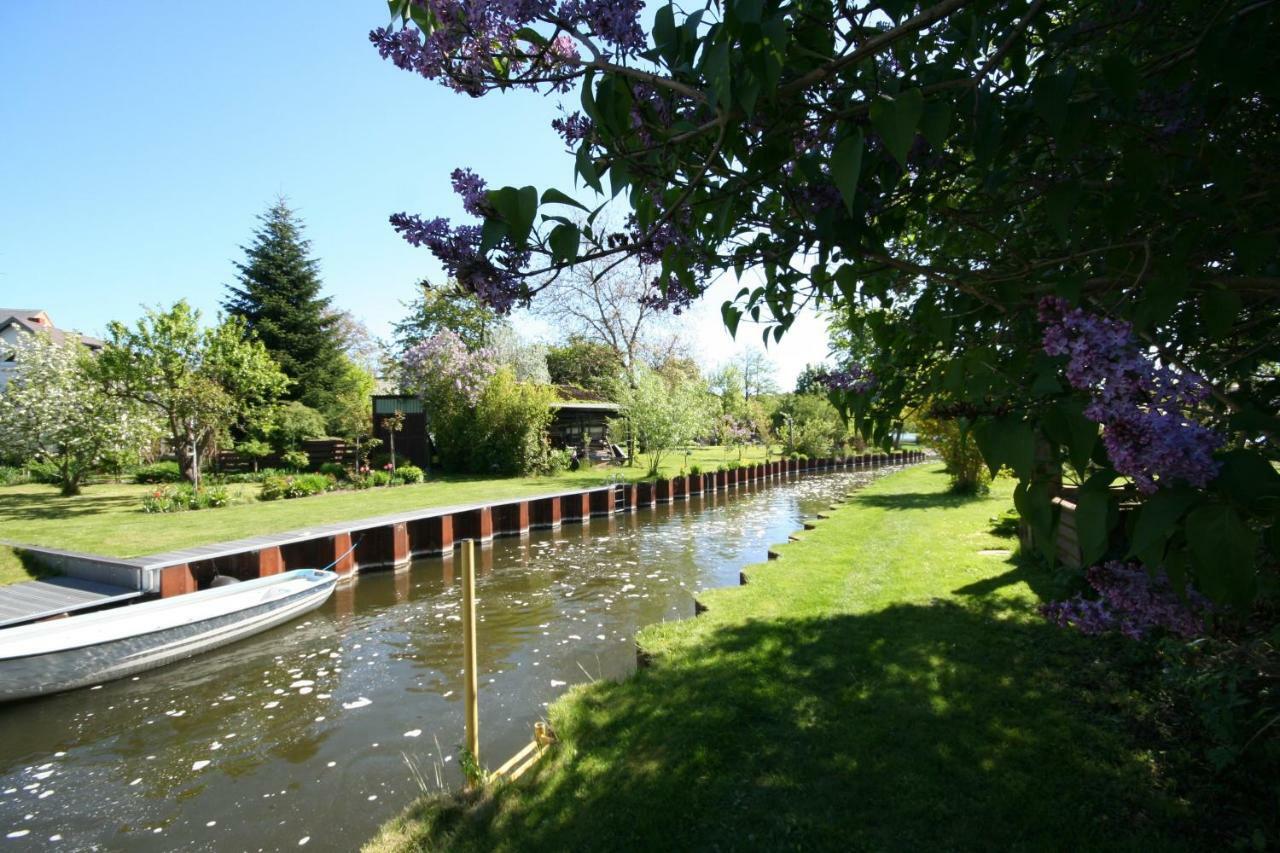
(107, 519)
(885, 684)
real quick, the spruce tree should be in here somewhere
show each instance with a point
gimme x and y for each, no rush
(279, 298)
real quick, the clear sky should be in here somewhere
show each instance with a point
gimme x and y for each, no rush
(138, 141)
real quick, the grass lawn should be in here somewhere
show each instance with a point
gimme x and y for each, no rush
(108, 519)
(884, 685)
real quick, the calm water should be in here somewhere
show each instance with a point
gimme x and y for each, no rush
(316, 732)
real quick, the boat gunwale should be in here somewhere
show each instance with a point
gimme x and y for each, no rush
(313, 585)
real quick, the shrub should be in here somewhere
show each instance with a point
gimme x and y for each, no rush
(379, 478)
(11, 476)
(293, 423)
(184, 498)
(297, 460)
(555, 460)
(334, 470)
(955, 444)
(44, 472)
(158, 472)
(408, 474)
(695, 470)
(504, 433)
(294, 486)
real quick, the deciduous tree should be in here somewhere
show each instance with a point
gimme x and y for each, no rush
(54, 411)
(1036, 190)
(198, 382)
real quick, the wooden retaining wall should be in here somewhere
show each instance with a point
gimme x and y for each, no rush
(391, 542)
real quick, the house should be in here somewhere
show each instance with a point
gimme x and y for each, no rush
(17, 322)
(580, 419)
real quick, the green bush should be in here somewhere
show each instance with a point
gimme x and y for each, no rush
(379, 478)
(44, 472)
(504, 434)
(293, 423)
(184, 498)
(158, 472)
(294, 486)
(296, 460)
(13, 476)
(955, 444)
(556, 460)
(695, 471)
(409, 474)
(334, 470)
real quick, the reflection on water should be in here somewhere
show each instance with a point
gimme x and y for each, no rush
(309, 731)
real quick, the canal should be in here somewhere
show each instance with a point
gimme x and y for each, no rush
(318, 731)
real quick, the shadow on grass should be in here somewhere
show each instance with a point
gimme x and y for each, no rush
(944, 726)
(29, 506)
(917, 500)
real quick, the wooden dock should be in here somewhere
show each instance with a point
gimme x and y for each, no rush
(34, 600)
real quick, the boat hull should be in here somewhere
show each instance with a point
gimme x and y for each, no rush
(56, 671)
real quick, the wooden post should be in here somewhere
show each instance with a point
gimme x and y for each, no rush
(469, 648)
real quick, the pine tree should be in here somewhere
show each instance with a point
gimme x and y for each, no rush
(279, 298)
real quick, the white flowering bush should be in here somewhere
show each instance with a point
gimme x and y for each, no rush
(53, 412)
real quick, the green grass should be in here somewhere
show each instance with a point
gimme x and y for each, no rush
(882, 686)
(108, 519)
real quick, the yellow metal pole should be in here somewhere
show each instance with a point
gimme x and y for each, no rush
(469, 648)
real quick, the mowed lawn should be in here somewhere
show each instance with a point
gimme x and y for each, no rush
(108, 518)
(884, 685)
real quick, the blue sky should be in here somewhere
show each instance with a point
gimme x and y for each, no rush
(139, 140)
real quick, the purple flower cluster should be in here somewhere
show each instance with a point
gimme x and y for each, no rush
(471, 187)
(855, 378)
(733, 431)
(464, 37)
(615, 21)
(1140, 404)
(668, 295)
(442, 365)
(1131, 601)
(573, 128)
(458, 250)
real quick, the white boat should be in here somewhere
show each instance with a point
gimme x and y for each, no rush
(62, 654)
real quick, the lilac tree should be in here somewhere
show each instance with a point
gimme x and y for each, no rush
(932, 172)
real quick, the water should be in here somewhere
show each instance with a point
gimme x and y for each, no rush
(320, 730)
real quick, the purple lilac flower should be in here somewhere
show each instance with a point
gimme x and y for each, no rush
(1140, 404)
(471, 187)
(855, 378)
(617, 22)
(458, 250)
(1131, 601)
(442, 362)
(573, 128)
(668, 295)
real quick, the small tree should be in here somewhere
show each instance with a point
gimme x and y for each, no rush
(393, 425)
(447, 377)
(53, 411)
(662, 416)
(197, 382)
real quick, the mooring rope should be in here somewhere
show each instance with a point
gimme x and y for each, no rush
(344, 554)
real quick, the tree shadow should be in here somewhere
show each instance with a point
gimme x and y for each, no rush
(941, 726)
(1022, 570)
(27, 506)
(917, 500)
